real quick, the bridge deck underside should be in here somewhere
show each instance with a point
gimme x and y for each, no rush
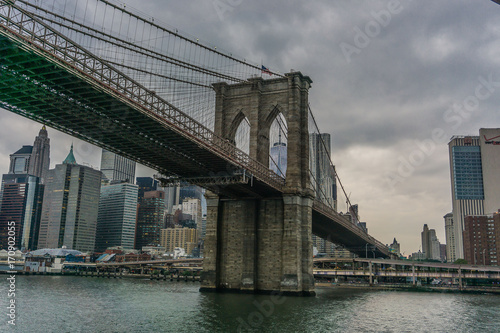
(38, 89)
(338, 233)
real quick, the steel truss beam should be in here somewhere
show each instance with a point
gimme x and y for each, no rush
(204, 181)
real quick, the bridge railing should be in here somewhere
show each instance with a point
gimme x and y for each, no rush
(20, 25)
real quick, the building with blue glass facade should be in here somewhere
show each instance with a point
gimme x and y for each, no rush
(466, 185)
(467, 173)
(475, 184)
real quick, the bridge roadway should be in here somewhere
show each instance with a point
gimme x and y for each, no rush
(46, 77)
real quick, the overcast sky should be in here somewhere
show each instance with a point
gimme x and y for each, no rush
(392, 82)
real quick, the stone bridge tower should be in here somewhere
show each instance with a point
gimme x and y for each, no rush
(263, 245)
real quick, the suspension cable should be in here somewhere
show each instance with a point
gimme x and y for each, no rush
(331, 163)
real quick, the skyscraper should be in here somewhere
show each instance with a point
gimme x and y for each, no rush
(146, 184)
(12, 213)
(70, 206)
(466, 184)
(451, 255)
(425, 240)
(20, 200)
(117, 215)
(32, 213)
(40, 156)
(278, 157)
(430, 244)
(489, 140)
(435, 246)
(33, 160)
(192, 206)
(172, 198)
(475, 185)
(21, 209)
(116, 167)
(150, 219)
(395, 247)
(18, 167)
(30, 160)
(191, 191)
(323, 173)
(20, 161)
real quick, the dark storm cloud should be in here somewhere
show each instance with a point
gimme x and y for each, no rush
(405, 79)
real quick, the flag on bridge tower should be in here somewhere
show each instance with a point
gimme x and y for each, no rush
(266, 70)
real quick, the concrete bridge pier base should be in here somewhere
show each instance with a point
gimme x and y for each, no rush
(296, 248)
(259, 246)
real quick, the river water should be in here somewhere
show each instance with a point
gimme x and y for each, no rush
(79, 304)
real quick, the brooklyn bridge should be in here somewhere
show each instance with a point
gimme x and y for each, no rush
(116, 79)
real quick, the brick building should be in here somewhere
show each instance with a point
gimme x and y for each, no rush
(480, 239)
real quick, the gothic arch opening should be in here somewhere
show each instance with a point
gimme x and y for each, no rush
(241, 133)
(278, 138)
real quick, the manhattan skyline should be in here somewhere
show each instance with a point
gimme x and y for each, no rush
(386, 99)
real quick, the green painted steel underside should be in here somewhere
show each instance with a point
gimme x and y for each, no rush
(36, 88)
